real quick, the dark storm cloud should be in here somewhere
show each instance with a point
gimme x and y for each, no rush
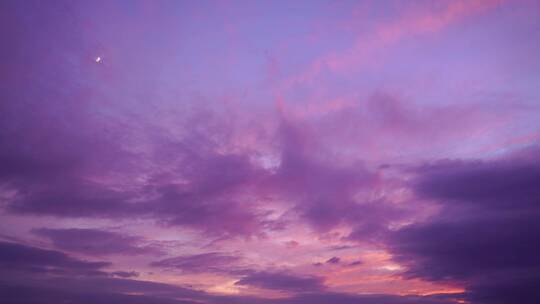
(487, 233)
(95, 241)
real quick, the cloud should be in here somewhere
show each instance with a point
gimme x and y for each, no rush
(95, 241)
(12, 294)
(323, 191)
(19, 258)
(122, 291)
(35, 275)
(102, 290)
(201, 188)
(198, 263)
(38, 276)
(505, 184)
(356, 263)
(71, 199)
(329, 298)
(333, 260)
(214, 198)
(485, 235)
(125, 274)
(199, 179)
(282, 281)
(192, 183)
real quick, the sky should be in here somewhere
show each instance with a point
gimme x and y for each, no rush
(270, 152)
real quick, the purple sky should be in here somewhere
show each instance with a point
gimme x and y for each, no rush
(270, 152)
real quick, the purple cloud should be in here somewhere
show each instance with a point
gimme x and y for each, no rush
(333, 260)
(118, 292)
(326, 193)
(17, 258)
(71, 199)
(95, 242)
(125, 274)
(356, 263)
(69, 279)
(198, 263)
(485, 236)
(282, 281)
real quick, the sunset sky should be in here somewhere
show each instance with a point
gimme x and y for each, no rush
(270, 152)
